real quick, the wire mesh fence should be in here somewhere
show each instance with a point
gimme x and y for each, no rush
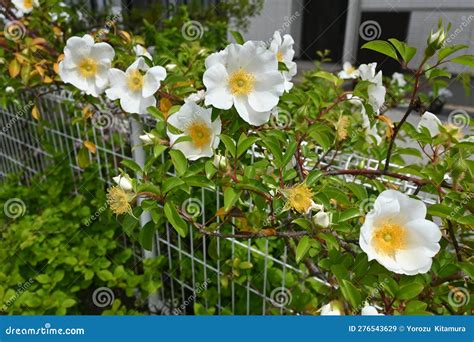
(198, 268)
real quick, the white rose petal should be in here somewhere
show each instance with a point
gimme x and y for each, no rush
(431, 122)
(136, 86)
(247, 77)
(86, 64)
(195, 122)
(283, 50)
(397, 235)
(124, 182)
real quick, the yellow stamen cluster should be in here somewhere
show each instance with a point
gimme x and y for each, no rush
(135, 80)
(119, 200)
(300, 198)
(88, 67)
(389, 238)
(454, 131)
(28, 4)
(241, 82)
(341, 127)
(280, 56)
(200, 133)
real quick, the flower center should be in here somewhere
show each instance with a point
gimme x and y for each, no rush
(389, 238)
(135, 80)
(88, 67)
(200, 134)
(28, 4)
(280, 56)
(241, 82)
(300, 198)
(351, 70)
(119, 200)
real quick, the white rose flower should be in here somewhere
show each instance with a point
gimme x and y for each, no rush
(369, 310)
(86, 64)
(124, 182)
(141, 51)
(136, 86)
(399, 79)
(247, 77)
(348, 71)
(196, 97)
(397, 235)
(431, 122)
(195, 122)
(371, 131)
(283, 49)
(25, 6)
(322, 219)
(376, 91)
(147, 138)
(331, 309)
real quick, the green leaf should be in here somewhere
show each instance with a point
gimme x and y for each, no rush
(230, 197)
(327, 76)
(382, 47)
(409, 291)
(179, 161)
(464, 60)
(175, 219)
(350, 292)
(244, 144)
(407, 52)
(229, 144)
(238, 37)
(132, 165)
(302, 248)
(146, 236)
(449, 50)
(440, 210)
(210, 169)
(155, 113)
(171, 183)
(349, 214)
(245, 265)
(289, 153)
(312, 177)
(158, 150)
(83, 158)
(302, 222)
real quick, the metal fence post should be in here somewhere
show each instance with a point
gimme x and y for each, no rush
(139, 157)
